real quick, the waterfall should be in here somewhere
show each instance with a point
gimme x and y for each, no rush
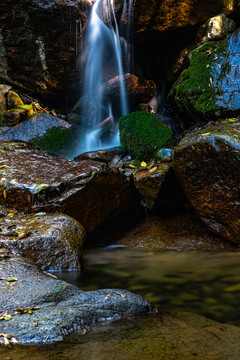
(106, 56)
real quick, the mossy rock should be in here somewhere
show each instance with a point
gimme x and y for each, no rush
(208, 88)
(142, 134)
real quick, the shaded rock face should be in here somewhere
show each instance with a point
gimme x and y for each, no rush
(138, 90)
(150, 16)
(60, 308)
(54, 242)
(218, 27)
(34, 127)
(206, 163)
(208, 88)
(34, 180)
(38, 43)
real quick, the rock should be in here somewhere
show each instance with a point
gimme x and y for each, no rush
(57, 308)
(54, 242)
(208, 88)
(218, 27)
(105, 156)
(149, 181)
(35, 127)
(138, 90)
(28, 57)
(181, 231)
(206, 163)
(2, 102)
(13, 100)
(142, 134)
(11, 117)
(5, 88)
(87, 190)
(150, 17)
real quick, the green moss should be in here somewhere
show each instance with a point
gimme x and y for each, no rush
(197, 90)
(142, 133)
(55, 140)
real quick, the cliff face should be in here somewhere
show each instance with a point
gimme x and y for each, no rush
(39, 39)
(38, 43)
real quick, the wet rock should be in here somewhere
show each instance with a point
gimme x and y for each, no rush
(138, 90)
(13, 100)
(150, 17)
(218, 27)
(87, 190)
(105, 156)
(33, 128)
(2, 102)
(208, 88)
(183, 231)
(206, 163)
(149, 181)
(57, 308)
(11, 117)
(53, 242)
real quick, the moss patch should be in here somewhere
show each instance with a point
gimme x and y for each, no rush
(56, 140)
(197, 89)
(142, 134)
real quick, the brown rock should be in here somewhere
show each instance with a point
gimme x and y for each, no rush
(34, 180)
(138, 90)
(2, 102)
(207, 163)
(11, 118)
(13, 100)
(148, 182)
(53, 242)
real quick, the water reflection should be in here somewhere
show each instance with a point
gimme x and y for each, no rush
(206, 283)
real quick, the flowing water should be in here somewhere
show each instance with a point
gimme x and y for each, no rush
(106, 55)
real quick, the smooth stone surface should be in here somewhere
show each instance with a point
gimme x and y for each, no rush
(61, 308)
(13, 100)
(89, 191)
(34, 127)
(181, 232)
(207, 164)
(53, 242)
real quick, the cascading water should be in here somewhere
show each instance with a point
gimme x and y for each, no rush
(107, 56)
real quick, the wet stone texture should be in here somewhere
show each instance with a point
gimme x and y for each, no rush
(33, 180)
(207, 164)
(57, 308)
(53, 242)
(209, 87)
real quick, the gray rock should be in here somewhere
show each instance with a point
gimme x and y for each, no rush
(58, 308)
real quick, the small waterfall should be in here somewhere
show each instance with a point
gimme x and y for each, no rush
(107, 56)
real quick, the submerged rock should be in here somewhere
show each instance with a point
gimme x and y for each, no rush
(89, 191)
(209, 87)
(207, 164)
(43, 309)
(54, 242)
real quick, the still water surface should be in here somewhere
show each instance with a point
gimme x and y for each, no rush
(205, 283)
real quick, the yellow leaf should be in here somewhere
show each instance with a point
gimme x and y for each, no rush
(4, 194)
(143, 164)
(107, 296)
(7, 283)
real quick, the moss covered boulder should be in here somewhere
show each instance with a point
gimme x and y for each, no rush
(142, 134)
(209, 87)
(207, 164)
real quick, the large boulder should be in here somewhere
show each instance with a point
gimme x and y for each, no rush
(41, 309)
(89, 191)
(208, 88)
(53, 241)
(207, 163)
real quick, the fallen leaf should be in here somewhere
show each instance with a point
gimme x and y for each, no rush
(107, 296)
(118, 293)
(4, 194)
(143, 164)
(153, 169)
